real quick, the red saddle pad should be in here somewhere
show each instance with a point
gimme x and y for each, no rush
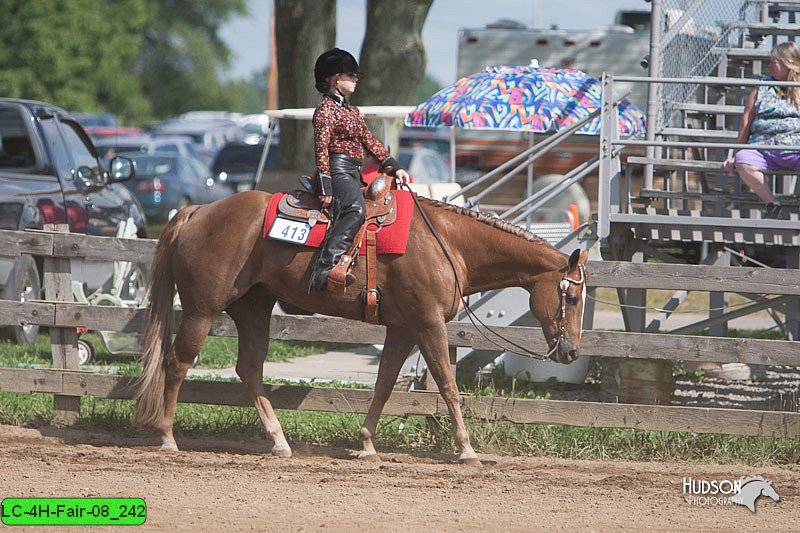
(392, 239)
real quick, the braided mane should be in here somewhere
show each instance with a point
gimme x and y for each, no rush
(493, 221)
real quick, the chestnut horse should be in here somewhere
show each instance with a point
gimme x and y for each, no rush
(216, 256)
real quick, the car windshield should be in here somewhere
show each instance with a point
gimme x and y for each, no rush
(155, 167)
(238, 157)
(404, 159)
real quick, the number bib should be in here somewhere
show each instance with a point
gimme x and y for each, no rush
(285, 229)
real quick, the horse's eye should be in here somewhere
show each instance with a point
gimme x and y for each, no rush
(572, 298)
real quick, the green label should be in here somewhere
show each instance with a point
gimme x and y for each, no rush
(73, 511)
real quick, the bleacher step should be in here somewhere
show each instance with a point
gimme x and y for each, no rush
(698, 133)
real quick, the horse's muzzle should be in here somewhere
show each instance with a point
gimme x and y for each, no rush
(567, 351)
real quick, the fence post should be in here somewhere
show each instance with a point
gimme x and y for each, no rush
(63, 341)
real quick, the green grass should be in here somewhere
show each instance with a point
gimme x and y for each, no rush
(217, 352)
(411, 434)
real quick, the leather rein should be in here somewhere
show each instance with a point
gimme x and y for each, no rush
(563, 286)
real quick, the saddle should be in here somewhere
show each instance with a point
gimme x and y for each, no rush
(381, 210)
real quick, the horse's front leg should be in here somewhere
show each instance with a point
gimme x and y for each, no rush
(397, 346)
(433, 345)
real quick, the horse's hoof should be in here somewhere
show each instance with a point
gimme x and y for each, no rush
(369, 457)
(169, 448)
(470, 461)
(281, 452)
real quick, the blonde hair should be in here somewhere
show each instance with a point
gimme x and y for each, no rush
(789, 54)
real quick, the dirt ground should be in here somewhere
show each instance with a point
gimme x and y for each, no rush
(215, 485)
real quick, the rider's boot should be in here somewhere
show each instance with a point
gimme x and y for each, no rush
(337, 242)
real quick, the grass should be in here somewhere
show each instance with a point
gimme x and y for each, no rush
(217, 352)
(412, 434)
(695, 301)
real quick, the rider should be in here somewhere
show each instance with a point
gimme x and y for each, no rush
(341, 138)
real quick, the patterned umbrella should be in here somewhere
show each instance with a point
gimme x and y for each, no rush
(526, 98)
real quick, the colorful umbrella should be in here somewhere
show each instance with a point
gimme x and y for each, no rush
(525, 98)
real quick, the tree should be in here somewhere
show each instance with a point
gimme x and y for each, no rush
(135, 58)
(392, 57)
(303, 30)
(181, 52)
(306, 28)
(75, 54)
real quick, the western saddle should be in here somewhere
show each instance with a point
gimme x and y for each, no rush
(381, 210)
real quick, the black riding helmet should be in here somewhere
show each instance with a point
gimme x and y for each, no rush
(330, 62)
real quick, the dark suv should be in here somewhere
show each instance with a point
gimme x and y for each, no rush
(236, 164)
(50, 173)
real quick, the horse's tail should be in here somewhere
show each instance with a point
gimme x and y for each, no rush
(159, 327)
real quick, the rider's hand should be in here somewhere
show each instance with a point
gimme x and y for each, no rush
(402, 177)
(728, 165)
(326, 201)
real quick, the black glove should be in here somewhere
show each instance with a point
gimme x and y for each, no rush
(389, 166)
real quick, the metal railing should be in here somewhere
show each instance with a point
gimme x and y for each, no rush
(614, 197)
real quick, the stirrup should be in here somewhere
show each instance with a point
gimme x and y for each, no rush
(339, 278)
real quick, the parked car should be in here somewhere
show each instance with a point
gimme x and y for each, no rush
(99, 125)
(208, 136)
(50, 173)
(424, 165)
(164, 183)
(430, 174)
(147, 144)
(236, 164)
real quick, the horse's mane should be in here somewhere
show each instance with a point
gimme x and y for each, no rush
(493, 221)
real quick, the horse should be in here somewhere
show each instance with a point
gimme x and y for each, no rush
(217, 259)
(752, 488)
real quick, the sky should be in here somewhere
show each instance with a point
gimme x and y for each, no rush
(248, 37)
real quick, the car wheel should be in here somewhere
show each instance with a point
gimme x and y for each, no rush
(23, 285)
(85, 352)
(135, 287)
(290, 309)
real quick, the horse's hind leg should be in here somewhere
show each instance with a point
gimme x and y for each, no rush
(396, 348)
(251, 314)
(433, 345)
(188, 342)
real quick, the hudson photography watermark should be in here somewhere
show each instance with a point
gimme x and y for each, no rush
(743, 491)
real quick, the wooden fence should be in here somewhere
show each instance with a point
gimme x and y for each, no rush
(61, 315)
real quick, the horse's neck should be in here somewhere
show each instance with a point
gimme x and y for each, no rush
(494, 258)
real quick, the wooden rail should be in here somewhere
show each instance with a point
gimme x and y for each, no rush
(61, 316)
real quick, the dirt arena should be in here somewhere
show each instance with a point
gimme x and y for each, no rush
(216, 485)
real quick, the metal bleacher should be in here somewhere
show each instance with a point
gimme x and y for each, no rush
(674, 194)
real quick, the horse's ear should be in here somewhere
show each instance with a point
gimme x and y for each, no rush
(574, 258)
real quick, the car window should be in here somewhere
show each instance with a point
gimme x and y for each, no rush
(190, 150)
(200, 170)
(185, 170)
(153, 166)
(81, 155)
(404, 160)
(440, 170)
(167, 148)
(16, 149)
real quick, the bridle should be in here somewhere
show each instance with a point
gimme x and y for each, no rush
(563, 285)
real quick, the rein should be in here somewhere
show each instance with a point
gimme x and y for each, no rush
(473, 318)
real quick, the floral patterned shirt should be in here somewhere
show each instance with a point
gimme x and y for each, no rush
(776, 121)
(339, 128)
